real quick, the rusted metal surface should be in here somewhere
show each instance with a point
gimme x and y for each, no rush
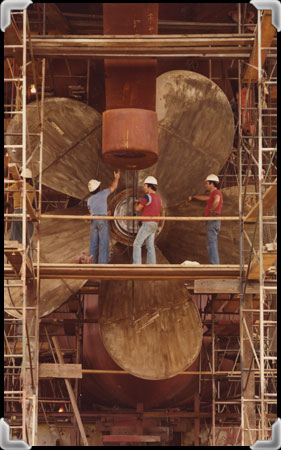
(151, 329)
(130, 83)
(130, 138)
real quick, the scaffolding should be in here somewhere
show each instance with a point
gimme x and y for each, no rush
(21, 332)
(250, 399)
(258, 325)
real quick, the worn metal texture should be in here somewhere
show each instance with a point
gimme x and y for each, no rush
(195, 133)
(128, 390)
(129, 138)
(71, 145)
(151, 329)
(180, 241)
(130, 83)
(59, 242)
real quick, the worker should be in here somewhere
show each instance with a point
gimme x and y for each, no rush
(213, 208)
(97, 205)
(149, 205)
(16, 228)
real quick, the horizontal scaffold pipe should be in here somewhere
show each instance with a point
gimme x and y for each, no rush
(221, 372)
(159, 218)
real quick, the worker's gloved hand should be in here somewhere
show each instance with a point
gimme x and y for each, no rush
(213, 213)
(189, 198)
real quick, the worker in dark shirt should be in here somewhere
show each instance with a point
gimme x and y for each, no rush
(149, 205)
(213, 208)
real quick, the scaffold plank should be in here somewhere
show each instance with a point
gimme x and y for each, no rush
(131, 272)
(224, 286)
(60, 370)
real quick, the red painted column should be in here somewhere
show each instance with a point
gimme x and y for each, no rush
(130, 135)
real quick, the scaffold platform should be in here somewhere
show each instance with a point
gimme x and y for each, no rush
(133, 272)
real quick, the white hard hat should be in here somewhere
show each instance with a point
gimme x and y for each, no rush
(93, 185)
(150, 180)
(26, 173)
(212, 177)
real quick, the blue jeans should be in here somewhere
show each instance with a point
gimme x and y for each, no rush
(146, 233)
(99, 241)
(213, 228)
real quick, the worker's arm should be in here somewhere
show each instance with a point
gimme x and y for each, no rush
(201, 198)
(139, 206)
(114, 185)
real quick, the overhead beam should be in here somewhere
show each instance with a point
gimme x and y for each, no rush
(151, 46)
(267, 34)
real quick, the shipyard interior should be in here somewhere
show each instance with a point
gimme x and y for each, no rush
(140, 224)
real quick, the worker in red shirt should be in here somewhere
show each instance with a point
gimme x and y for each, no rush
(150, 205)
(213, 208)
